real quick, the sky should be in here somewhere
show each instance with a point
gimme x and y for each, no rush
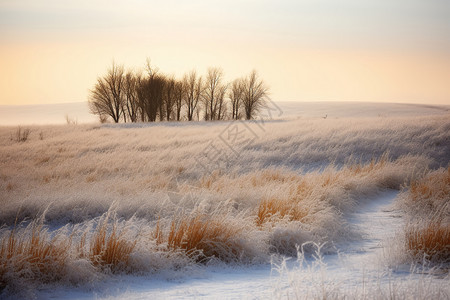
(52, 51)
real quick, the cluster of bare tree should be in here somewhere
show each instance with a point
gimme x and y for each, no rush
(147, 97)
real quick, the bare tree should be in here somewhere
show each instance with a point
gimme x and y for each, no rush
(160, 97)
(213, 93)
(141, 95)
(236, 95)
(147, 97)
(194, 91)
(255, 94)
(131, 96)
(169, 99)
(150, 95)
(179, 94)
(221, 107)
(106, 98)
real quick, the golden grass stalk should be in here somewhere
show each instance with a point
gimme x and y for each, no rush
(428, 199)
(157, 233)
(431, 240)
(374, 165)
(281, 208)
(207, 236)
(436, 185)
(33, 254)
(110, 249)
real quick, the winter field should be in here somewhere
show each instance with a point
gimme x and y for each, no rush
(310, 201)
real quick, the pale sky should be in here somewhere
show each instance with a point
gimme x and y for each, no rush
(51, 51)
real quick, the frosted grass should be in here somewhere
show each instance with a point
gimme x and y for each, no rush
(321, 170)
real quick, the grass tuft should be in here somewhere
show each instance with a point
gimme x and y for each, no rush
(434, 186)
(431, 241)
(427, 201)
(109, 248)
(32, 254)
(279, 208)
(212, 236)
(21, 135)
(157, 233)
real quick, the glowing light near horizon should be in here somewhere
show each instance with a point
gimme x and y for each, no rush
(305, 50)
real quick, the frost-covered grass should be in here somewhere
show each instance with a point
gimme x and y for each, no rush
(99, 200)
(81, 170)
(431, 239)
(427, 203)
(312, 278)
(32, 254)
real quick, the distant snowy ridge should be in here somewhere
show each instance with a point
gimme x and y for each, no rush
(41, 114)
(11, 115)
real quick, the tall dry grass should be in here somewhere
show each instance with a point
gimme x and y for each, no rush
(290, 207)
(230, 217)
(83, 169)
(430, 241)
(296, 203)
(109, 246)
(204, 236)
(202, 225)
(295, 183)
(431, 194)
(33, 254)
(427, 203)
(273, 208)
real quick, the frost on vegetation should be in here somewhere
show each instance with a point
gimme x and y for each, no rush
(133, 200)
(312, 278)
(281, 209)
(21, 134)
(427, 204)
(31, 254)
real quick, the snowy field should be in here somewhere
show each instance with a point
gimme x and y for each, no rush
(13, 115)
(314, 201)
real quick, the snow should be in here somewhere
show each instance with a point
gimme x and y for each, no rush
(79, 111)
(362, 262)
(71, 168)
(45, 114)
(357, 109)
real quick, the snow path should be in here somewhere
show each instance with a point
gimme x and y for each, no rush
(375, 220)
(378, 222)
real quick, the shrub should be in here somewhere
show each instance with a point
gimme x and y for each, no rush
(21, 134)
(71, 121)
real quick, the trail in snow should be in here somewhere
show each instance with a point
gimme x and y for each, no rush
(375, 219)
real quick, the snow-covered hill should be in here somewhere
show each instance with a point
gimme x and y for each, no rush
(201, 209)
(79, 111)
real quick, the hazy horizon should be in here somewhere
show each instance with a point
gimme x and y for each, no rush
(425, 103)
(78, 112)
(374, 51)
